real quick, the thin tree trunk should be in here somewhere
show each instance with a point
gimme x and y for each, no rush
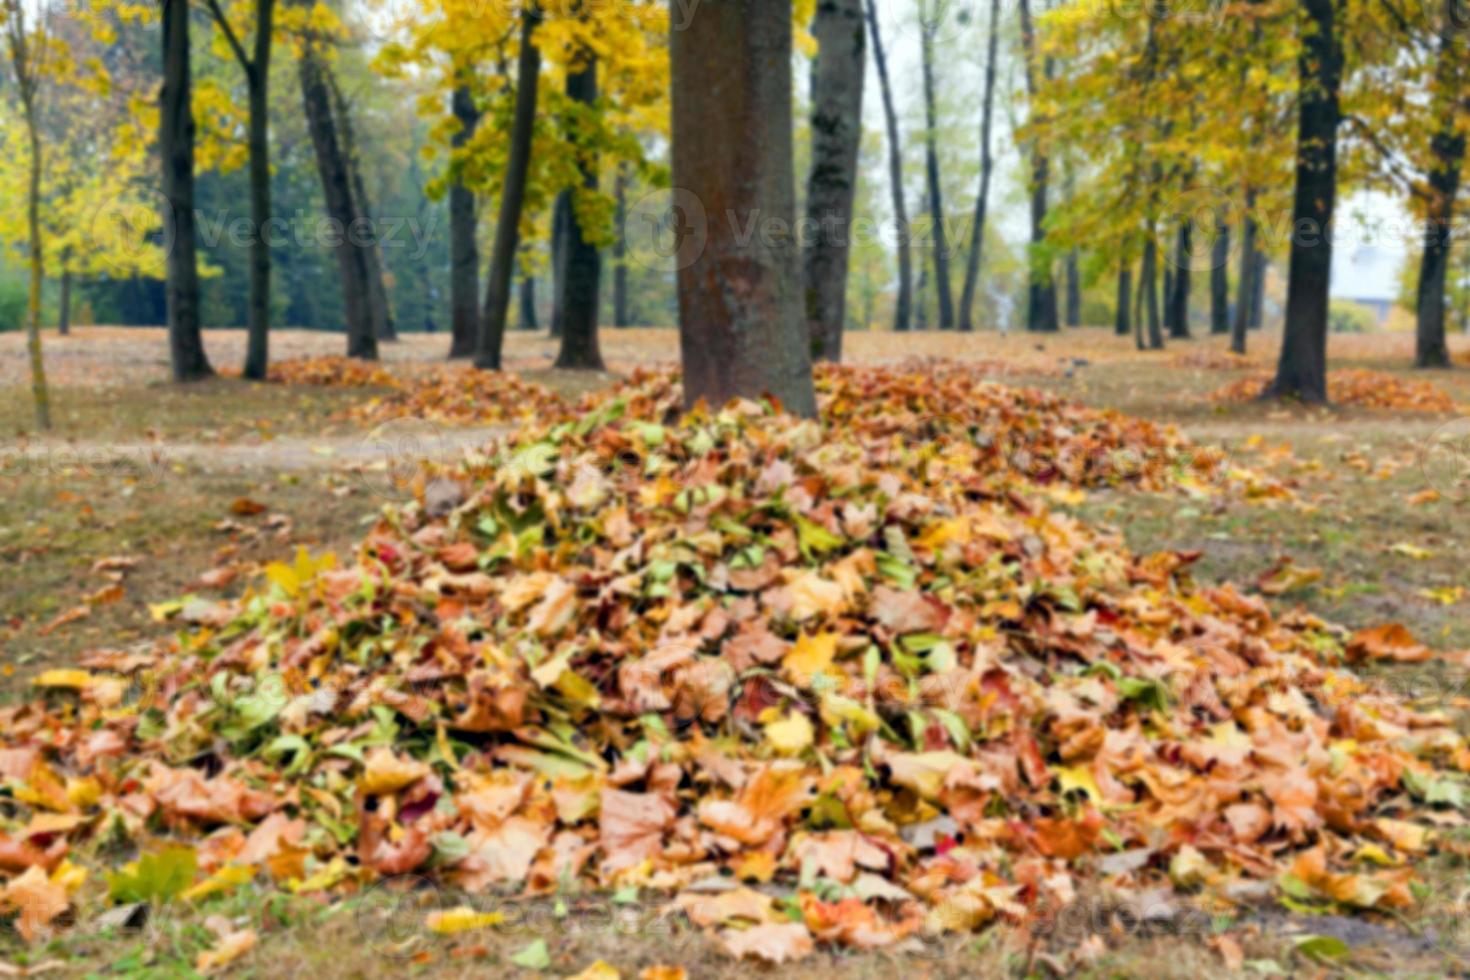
(921, 300)
(464, 252)
(1245, 290)
(1168, 295)
(512, 197)
(1183, 245)
(1447, 150)
(380, 304)
(176, 151)
(337, 191)
(622, 317)
(741, 331)
(561, 231)
(1258, 286)
(943, 290)
(527, 315)
(1302, 370)
(1041, 302)
(257, 77)
(1074, 289)
(1122, 323)
(1220, 278)
(39, 391)
(1150, 285)
(903, 306)
(63, 314)
(582, 272)
(987, 165)
(837, 129)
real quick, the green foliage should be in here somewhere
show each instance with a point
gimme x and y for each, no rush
(1346, 316)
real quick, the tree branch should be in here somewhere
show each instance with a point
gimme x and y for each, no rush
(229, 32)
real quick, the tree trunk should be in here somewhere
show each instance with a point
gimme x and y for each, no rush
(176, 151)
(1245, 289)
(1302, 370)
(331, 165)
(904, 305)
(39, 391)
(527, 315)
(1150, 286)
(1258, 293)
(622, 317)
(1074, 289)
(837, 129)
(1041, 301)
(1447, 151)
(1179, 317)
(921, 300)
(1220, 278)
(512, 197)
(561, 231)
(63, 313)
(1168, 296)
(987, 165)
(1122, 324)
(582, 273)
(464, 252)
(257, 76)
(943, 290)
(380, 305)
(741, 331)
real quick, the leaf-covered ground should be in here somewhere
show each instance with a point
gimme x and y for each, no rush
(1363, 510)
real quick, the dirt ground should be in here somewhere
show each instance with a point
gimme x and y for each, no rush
(200, 484)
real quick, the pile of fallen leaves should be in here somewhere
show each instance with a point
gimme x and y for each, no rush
(446, 394)
(1356, 386)
(848, 684)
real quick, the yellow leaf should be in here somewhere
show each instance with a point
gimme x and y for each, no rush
(1079, 778)
(77, 680)
(228, 878)
(790, 735)
(447, 922)
(230, 948)
(387, 773)
(1411, 551)
(601, 970)
(809, 656)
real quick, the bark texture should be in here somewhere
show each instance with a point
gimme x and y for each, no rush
(1220, 279)
(903, 306)
(1122, 322)
(512, 198)
(622, 315)
(929, 19)
(1447, 156)
(1041, 297)
(1301, 371)
(741, 331)
(176, 149)
(987, 167)
(1179, 299)
(1245, 288)
(581, 259)
(464, 252)
(365, 236)
(837, 129)
(331, 164)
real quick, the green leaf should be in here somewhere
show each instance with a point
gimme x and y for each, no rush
(812, 538)
(533, 957)
(1321, 948)
(160, 875)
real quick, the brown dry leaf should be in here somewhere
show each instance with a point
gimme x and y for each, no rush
(1229, 949)
(37, 898)
(106, 595)
(231, 946)
(64, 618)
(705, 910)
(245, 507)
(633, 826)
(773, 943)
(1391, 641)
(662, 972)
(386, 773)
